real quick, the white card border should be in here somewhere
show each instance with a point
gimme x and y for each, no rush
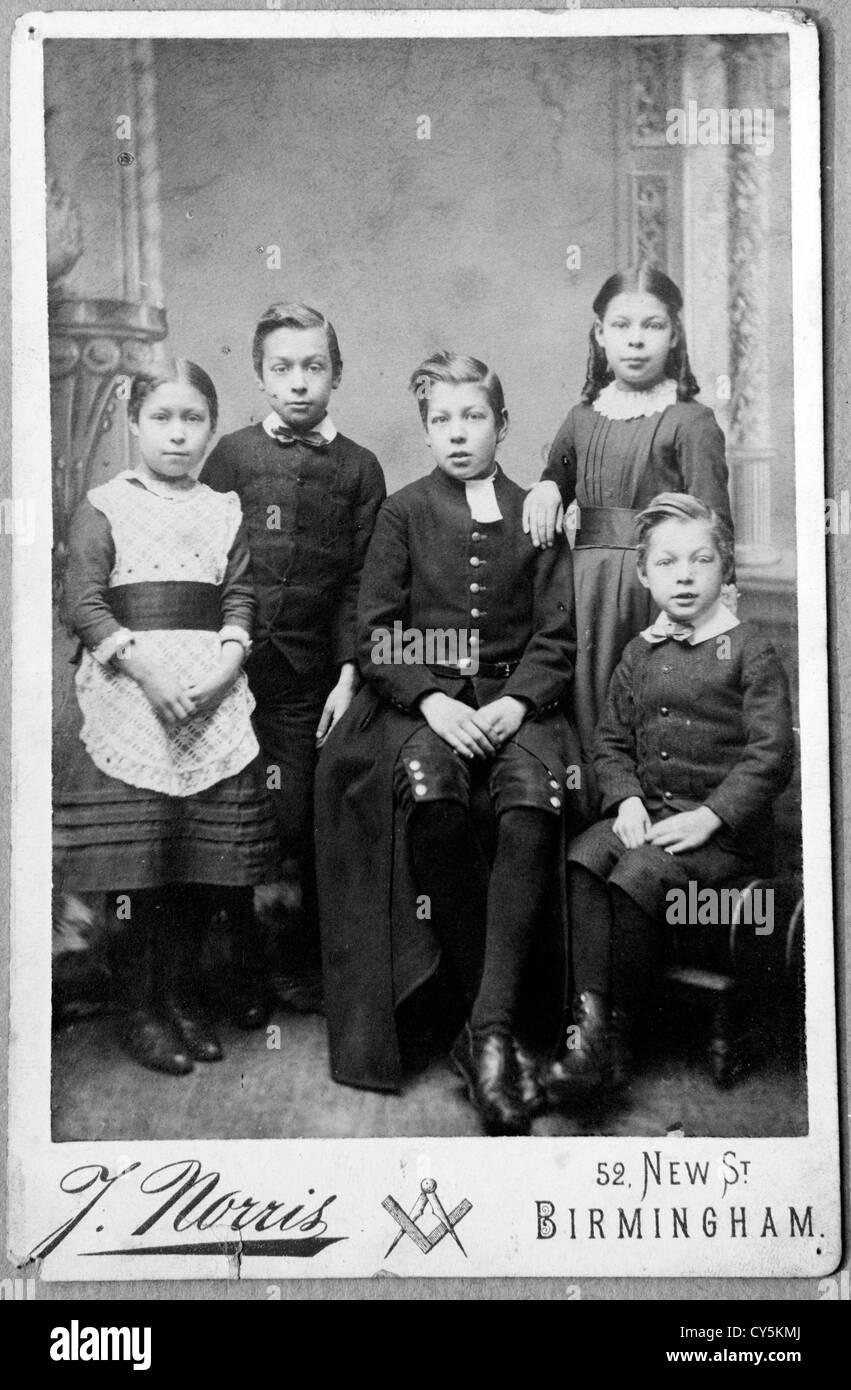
(29, 1052)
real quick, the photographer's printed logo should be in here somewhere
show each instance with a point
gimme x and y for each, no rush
(721, 125)
(76, 1343)
(181, 1199)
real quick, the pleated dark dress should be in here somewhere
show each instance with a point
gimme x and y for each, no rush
(612, 468)
(138, 804)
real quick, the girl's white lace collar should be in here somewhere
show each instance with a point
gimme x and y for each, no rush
(628, 405)
(166, 493)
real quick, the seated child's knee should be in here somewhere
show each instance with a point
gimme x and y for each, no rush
(521, 781)
(424, 776)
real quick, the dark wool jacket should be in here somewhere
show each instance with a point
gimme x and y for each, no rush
(430, 566)
(309, 516)
(686, 726)
(376, 949)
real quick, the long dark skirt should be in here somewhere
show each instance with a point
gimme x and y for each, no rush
(109, 835)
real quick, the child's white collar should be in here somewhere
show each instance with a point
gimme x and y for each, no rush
(326, 426)
(481, 498)
(628, 405)
(718, 619)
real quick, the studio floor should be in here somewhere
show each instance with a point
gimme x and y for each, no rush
(263, 1092)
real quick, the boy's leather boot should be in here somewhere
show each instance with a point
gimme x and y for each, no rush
(532, 1092)
(487, 1062)
(601, 1059)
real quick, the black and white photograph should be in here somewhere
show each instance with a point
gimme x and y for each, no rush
(420, 647)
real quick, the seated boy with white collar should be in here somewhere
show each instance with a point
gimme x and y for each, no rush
(449, 558)
(694, 744)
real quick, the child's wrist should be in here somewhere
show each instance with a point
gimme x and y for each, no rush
(232, 632)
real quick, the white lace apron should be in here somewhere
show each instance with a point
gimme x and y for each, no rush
(157, 538)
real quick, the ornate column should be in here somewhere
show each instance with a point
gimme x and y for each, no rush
(750, 445)
(649, 167)
(706, 231)
(94, 342)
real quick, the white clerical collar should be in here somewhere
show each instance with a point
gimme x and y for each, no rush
(481, 498)
(628, 405)
(718, 619)
(326, 426)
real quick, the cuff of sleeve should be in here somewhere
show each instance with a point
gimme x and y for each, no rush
(720, 804)
(106, 649)
(232, 633)
(611, 797)
(520, 694)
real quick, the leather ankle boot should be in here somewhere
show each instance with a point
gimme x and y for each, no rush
(143, 1034)
(532, 1092)
(487, 1062)
(599, 1060)
(154, 1044)
(177, 950)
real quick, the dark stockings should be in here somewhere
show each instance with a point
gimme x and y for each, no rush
(617, 947)
(520, 883)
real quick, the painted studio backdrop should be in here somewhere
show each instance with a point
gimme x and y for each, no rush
(467, 194)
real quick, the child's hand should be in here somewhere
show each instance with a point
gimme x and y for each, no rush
(687, 830)
(633, 824)
(501, 718)
(543, 514)
(168, 696)
(209, 693)
(338, 701)
(455, 723)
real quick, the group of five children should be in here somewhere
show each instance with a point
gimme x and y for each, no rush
(230, 626)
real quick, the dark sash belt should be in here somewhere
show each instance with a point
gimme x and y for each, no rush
(606, 526)
(166, 605)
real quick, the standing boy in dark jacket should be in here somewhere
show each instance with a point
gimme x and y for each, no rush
(309, 498)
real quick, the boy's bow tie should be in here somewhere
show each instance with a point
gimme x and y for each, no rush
(680, 632)
(312, 438)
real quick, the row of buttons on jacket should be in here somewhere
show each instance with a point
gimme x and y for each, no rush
(476, 561)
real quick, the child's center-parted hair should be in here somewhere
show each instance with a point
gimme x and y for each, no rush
(643, 280)
(169, 370)
(294, 315)
(455, 369)
(678, 506)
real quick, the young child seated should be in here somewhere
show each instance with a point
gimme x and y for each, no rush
(466, 644)
(694, 744)
(310, 497)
